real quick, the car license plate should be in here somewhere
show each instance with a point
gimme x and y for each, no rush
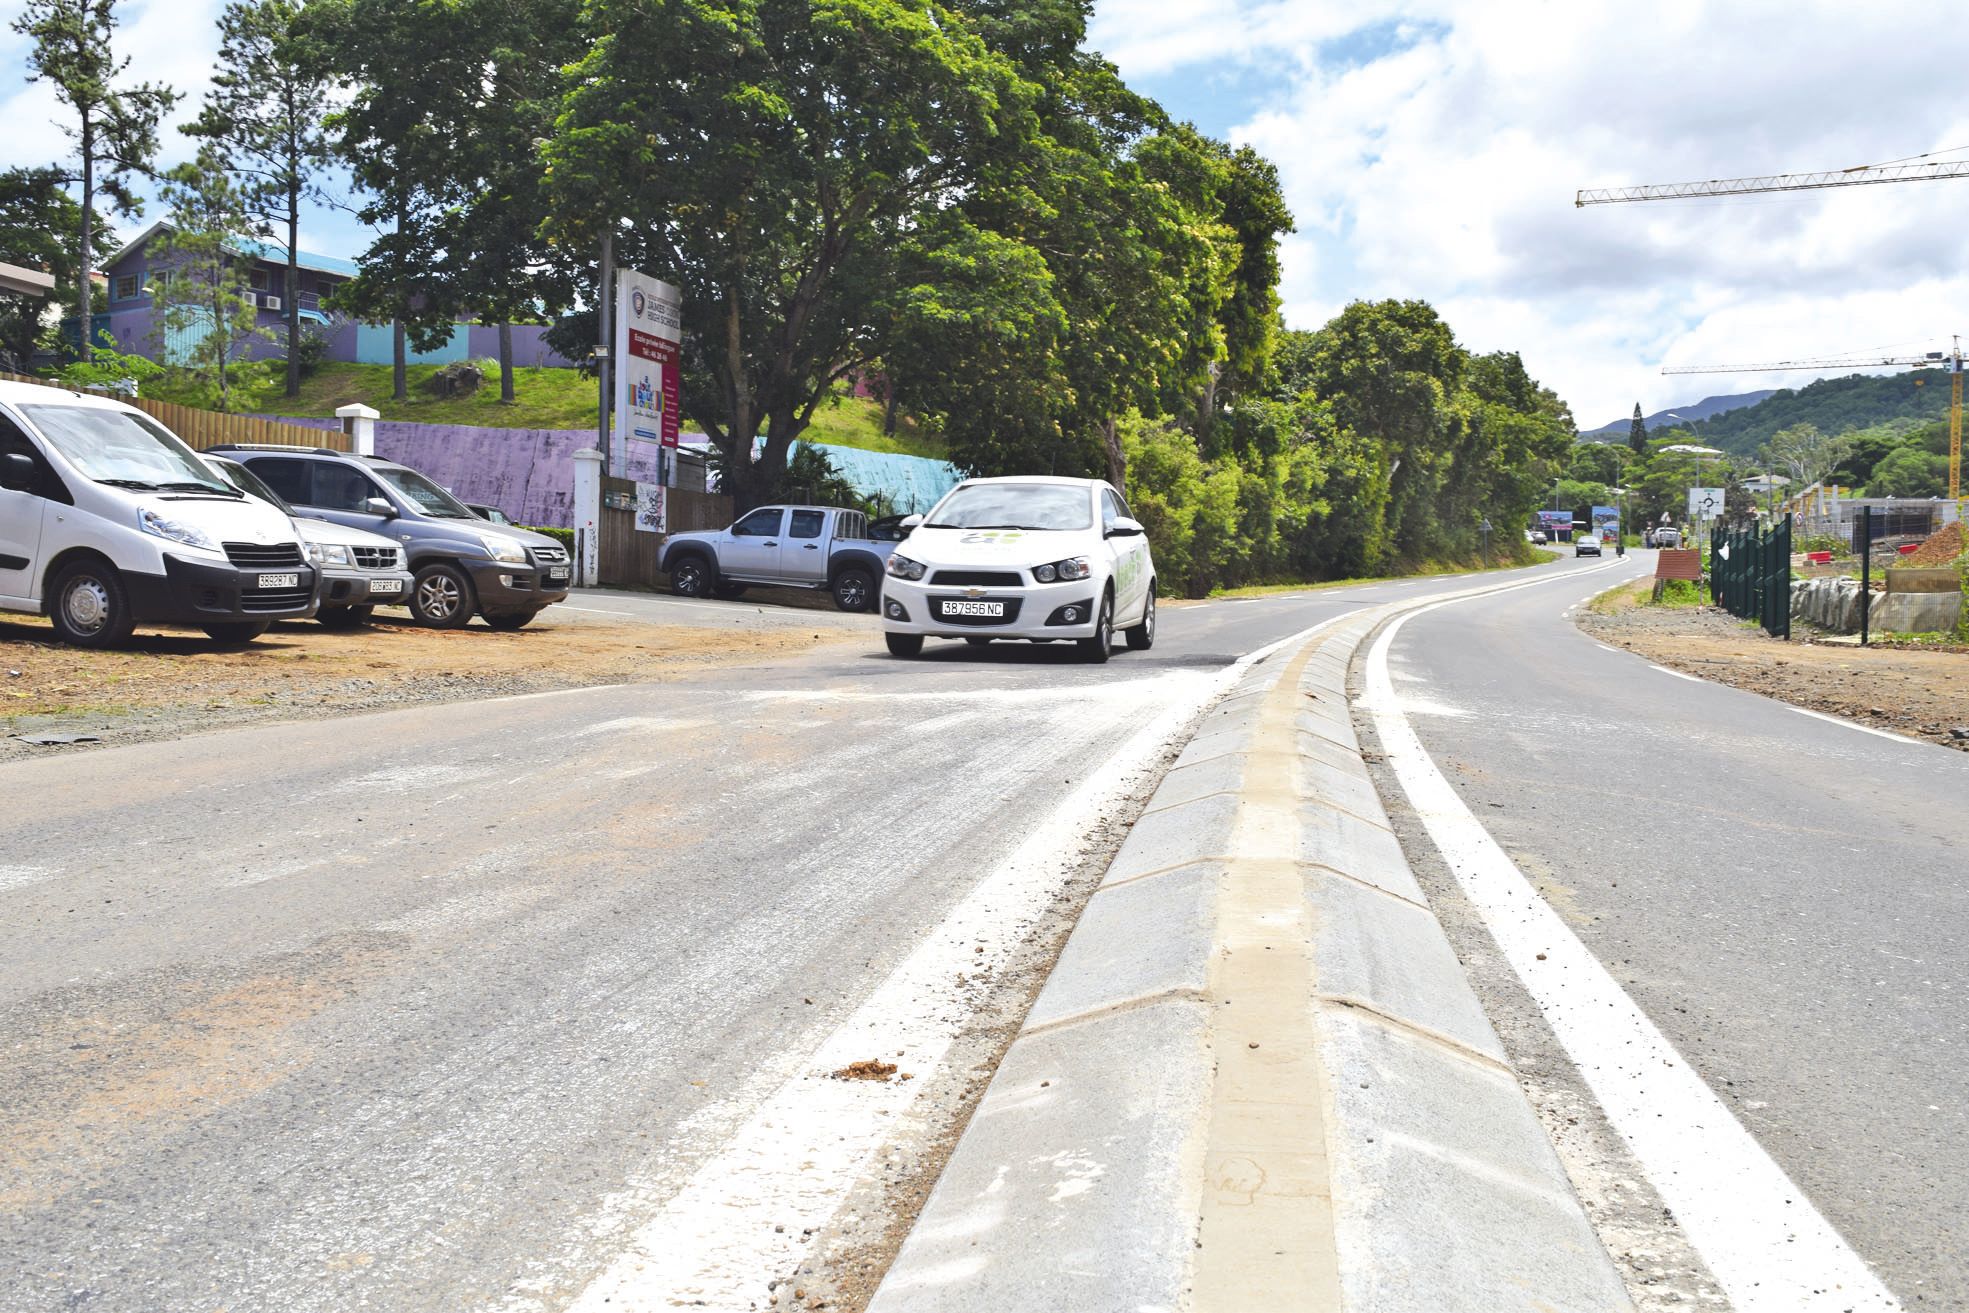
(380, 586)
(995, 609)
(557, 573)
(280, 581)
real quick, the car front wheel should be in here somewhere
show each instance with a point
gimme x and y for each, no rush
(441, 597)
(691, 577)
(1141, 637)
(904, 645)
(1098, 648)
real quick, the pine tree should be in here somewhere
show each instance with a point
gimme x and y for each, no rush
(206, 319)
(1637, 433)
(115, 129)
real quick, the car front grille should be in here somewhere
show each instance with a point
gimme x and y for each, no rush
(976, 579)
(258, 556)
(376, 558)
(554, 555)
(274, 599)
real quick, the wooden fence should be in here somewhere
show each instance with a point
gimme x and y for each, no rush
(628, 556)
(208, 428)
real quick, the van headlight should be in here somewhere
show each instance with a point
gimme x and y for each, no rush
(903, 568)
(328, 554)
(503, 549)
(175, 530)
(1074, 567)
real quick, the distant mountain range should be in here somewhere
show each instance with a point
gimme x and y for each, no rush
(1679, 416)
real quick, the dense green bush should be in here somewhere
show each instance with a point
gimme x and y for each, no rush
(565, 537)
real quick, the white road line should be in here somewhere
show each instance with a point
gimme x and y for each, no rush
(738, 1222)
(1864, 729)
(1678, 674)
(593, 610)
(1765, 1242)
(1604, 648)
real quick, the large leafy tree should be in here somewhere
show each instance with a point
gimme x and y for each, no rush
(264, 116)
(114, 126)
(40, 228)
(1804, 453)
(773, 157)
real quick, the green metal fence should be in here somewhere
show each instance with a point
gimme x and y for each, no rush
(1750, 574)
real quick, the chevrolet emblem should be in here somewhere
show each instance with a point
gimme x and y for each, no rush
(974, 592)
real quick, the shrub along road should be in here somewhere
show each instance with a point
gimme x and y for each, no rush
(528, 1001)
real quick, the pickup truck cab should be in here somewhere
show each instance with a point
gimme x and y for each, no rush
(108, 520)
(783, 546)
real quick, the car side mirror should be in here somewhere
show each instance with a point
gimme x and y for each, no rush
(16, 472)
(1123, 527)
(909, 522)
(378, 506)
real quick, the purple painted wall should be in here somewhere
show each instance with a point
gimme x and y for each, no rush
(527, 473)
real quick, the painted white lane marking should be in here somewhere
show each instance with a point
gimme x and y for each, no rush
(1604, 648)
(593, 610)
(1854, 724)
(1765, 1242)
(1678, 674)
(737, 1222)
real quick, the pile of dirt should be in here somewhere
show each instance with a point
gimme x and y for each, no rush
(867, 1069)
(1922, 693)
(1942, 547)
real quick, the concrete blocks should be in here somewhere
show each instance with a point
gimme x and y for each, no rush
(1110, 961)
(1166, 837)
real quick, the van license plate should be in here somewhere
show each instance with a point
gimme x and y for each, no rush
(280, 581)
(378, 587)
(974, 608)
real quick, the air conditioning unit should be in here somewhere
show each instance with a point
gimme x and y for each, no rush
(270, 302)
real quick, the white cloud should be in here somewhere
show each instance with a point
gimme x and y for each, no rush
(1432, 148)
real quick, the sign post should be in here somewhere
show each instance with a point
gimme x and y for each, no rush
(648, 393)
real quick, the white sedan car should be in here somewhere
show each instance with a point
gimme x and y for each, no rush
(1039, 558)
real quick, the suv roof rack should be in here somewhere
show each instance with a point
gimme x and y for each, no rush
(276, 446)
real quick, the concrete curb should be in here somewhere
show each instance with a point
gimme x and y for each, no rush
(1111, 1143)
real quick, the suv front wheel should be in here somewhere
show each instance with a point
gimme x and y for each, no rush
(441, 597)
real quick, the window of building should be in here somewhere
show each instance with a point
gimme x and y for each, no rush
(128, 286)
(257, 280)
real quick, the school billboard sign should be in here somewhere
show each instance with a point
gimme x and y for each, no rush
(649, 328)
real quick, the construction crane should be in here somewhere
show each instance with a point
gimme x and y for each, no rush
(1952, 360)
(1854, 177)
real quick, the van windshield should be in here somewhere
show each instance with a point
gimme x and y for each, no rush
(1014, 506)
(425, 495)
(128, 450)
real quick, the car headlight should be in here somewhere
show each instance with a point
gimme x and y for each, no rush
(1074, 567)
(328, 554)
(176, 530)
(904, 568)
(503, 549)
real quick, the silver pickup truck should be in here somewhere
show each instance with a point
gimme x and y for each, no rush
(783, 546)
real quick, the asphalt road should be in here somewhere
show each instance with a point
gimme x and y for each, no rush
(432, 1009)
(1783, 896)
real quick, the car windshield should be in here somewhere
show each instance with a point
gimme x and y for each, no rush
(128, 450)
(425, 495)
(247, 482)
(1014, 506)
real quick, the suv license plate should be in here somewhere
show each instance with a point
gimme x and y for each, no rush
(557, 573)
(380, 586)
(996, 609)
(280, 581)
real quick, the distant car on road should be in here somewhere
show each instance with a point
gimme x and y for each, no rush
(1539, 537)
(461, 565)
(485, 512)
(1039, 558)
(358, 569)
(783, 546)
(1586, 545)
(1667, 538)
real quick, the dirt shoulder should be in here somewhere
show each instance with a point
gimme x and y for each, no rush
(165, 685)
(1920, 693)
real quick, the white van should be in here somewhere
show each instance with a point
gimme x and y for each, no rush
(108, 520)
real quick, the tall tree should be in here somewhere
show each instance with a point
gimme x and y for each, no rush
(1804, 453)
(41, 228)
(1637, 433)
(776, 183)
(264, 114)
(206, 320)
(114, 128)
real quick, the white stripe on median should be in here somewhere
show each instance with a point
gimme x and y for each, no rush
(1769, 1247)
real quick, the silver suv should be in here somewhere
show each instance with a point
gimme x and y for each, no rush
(460, 565)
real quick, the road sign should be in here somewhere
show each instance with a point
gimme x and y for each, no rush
(1705, 503)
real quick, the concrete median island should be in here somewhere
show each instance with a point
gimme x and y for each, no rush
(1257, 1077)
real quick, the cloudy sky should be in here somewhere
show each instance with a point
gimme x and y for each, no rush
(1431, 148)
